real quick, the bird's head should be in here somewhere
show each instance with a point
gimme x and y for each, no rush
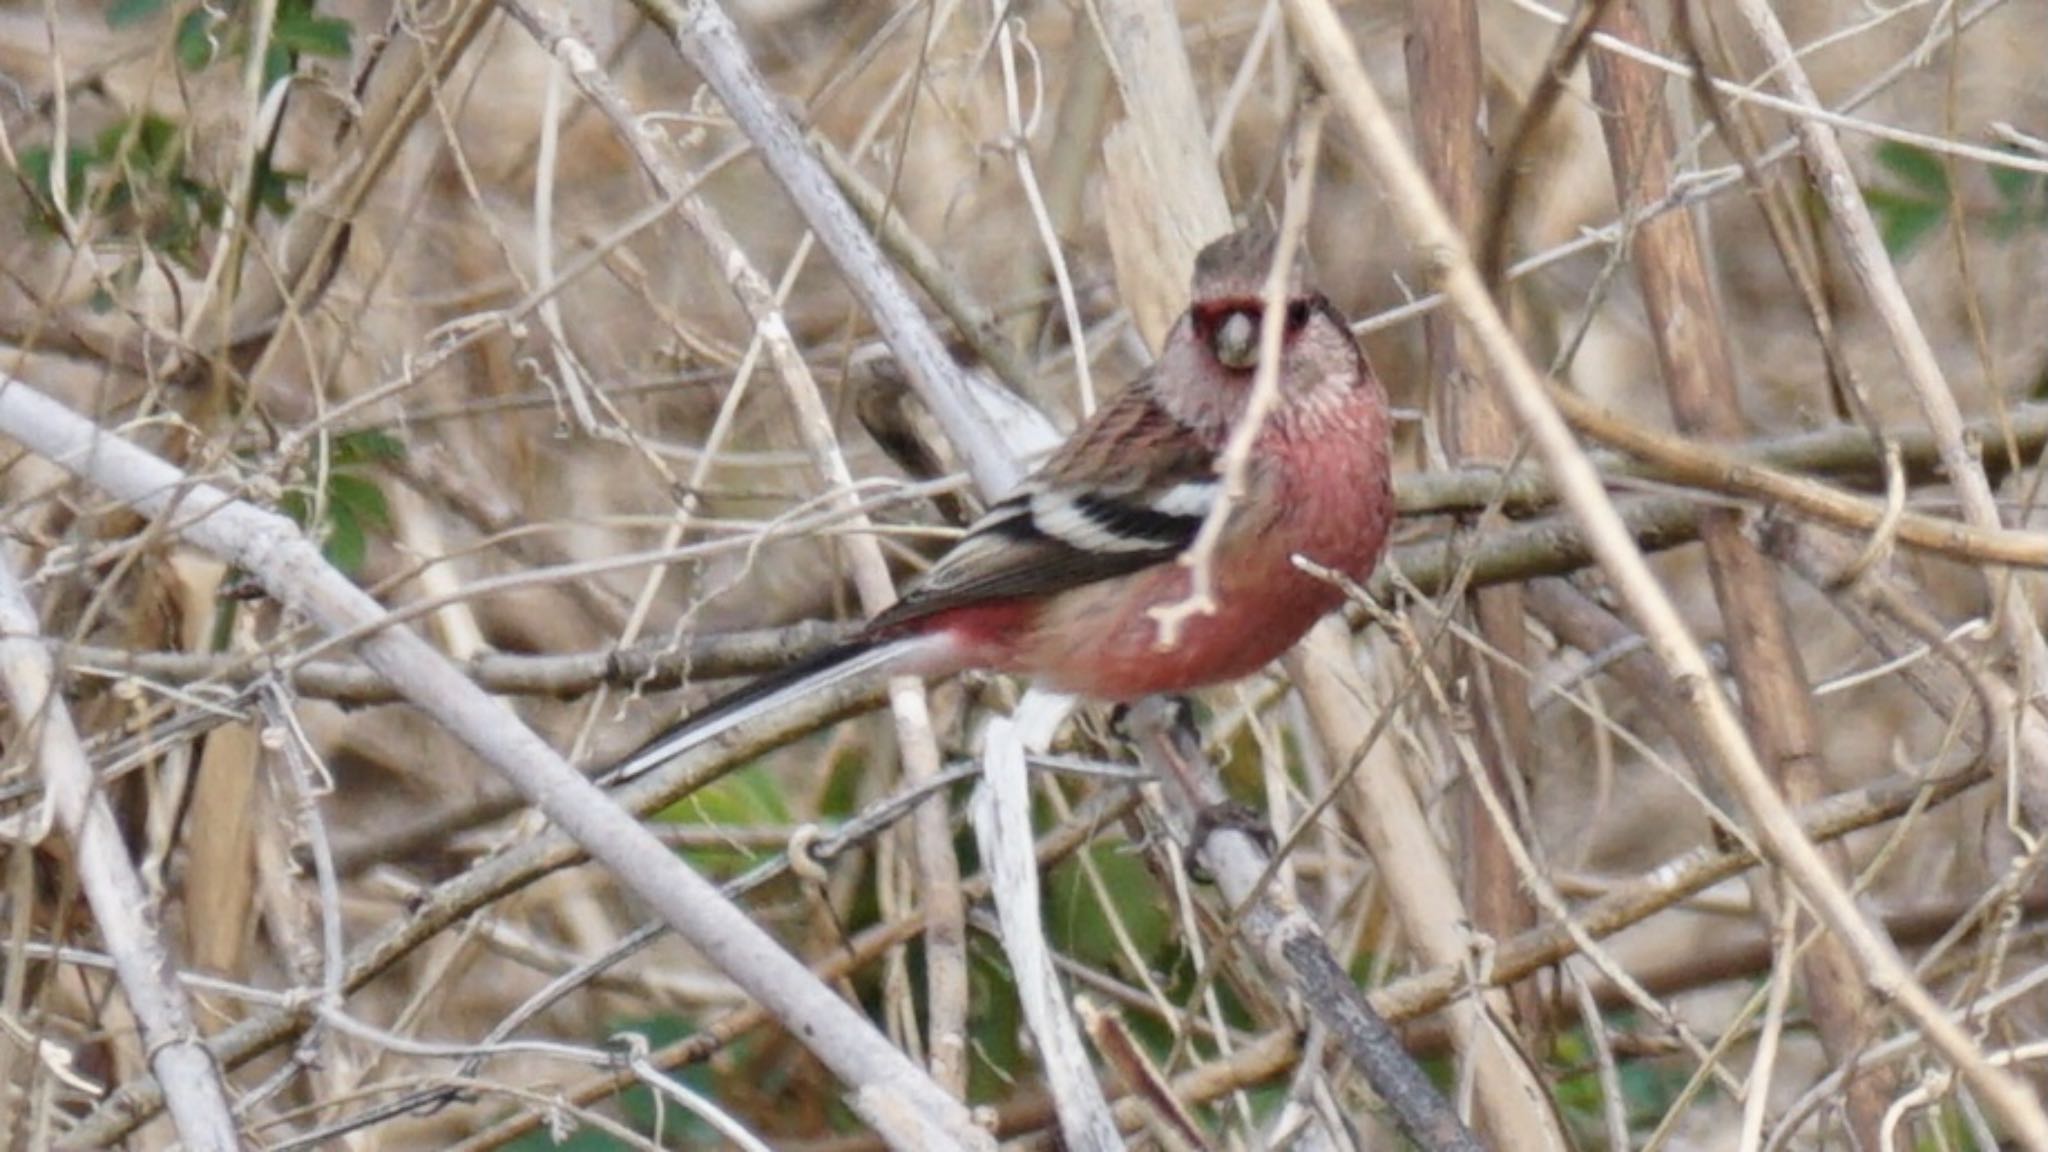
(1214, 349)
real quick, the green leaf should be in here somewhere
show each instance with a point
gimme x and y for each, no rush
(295, 504)
(1918, 167)
(38, 164)
(360, 498)
(126, 13)
(198, 40)
(278, 62)
(2014, 185)
(2019, 200)
(845, 780)
(367, 447)
(1649, 1087)
(346, 545)
(542, 1139)
(159, 144)
(210, 203)
(747, 798)
(314, 35)
(1078, 922)
(997, 1053)
(274, 189)
(1903, 221)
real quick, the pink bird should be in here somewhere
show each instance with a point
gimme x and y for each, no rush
(1059, 581)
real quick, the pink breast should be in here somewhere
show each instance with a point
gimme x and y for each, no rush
(1328, 500)
(1105, 643)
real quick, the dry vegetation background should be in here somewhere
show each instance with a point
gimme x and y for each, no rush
(424, 299)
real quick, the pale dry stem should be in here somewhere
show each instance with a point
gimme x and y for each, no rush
(193, 1088)
(1233, 464)
(440, 937)
(1336, 62)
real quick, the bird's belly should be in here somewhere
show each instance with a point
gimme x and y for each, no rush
(1106, 642)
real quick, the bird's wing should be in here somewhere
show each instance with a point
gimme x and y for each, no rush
(1128, 491)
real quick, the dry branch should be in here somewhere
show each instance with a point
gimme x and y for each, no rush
(1447, 94)
(891, 1093)
(1693, 349)
(192, 1085)
(1281, 935)
(1336, 62)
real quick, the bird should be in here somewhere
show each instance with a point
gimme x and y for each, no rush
(1060, 581)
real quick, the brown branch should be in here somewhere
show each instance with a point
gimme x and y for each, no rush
(1411, 201)
(1743, 957)
(655, 665)
(1844, 451)
(1691, 341)
(1282, 937)
(1413, 1000)
(1692, 463)
(1447, 86)
(1491, 241)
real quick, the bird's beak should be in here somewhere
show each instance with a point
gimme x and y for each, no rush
(1236, 342)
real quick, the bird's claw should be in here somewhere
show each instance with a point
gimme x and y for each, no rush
(1228, 816)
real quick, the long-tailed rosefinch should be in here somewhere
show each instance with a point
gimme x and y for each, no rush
(1059, 581)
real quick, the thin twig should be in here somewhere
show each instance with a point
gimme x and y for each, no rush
(1693, 349)
(192, 1085)
(707, 39)
(1704, 466)
(1233, 464)
(1873, 268)
(1279, 931)
(1336, 61)
(889, 1092)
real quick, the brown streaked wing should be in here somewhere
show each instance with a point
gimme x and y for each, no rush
(1129, 451)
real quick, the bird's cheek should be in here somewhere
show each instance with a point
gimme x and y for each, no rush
(1297, 374)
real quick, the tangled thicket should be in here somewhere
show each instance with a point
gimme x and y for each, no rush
(398, 273)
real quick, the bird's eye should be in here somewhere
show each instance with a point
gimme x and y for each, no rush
(1297, 316)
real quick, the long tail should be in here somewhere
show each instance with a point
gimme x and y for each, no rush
(765, 694)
